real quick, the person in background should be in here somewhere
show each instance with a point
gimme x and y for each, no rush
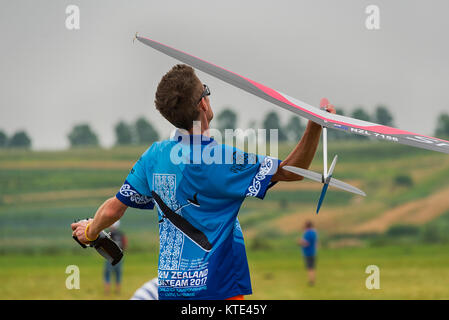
(121, 241)
(308, 242)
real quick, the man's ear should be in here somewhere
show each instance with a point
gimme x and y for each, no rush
(203, 104)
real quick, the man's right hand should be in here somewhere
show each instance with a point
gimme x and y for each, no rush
(79, 231)
(108, 213)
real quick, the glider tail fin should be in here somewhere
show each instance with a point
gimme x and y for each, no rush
(322, 195)
(326, 183)
(331, 169)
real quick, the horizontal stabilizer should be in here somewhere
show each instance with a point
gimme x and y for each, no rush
(319, 178)
(345, 186)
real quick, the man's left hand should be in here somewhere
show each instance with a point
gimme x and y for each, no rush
(324, 103)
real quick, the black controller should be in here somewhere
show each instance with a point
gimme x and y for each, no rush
(105, 246)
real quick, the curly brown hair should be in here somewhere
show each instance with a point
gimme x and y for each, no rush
(177, 96)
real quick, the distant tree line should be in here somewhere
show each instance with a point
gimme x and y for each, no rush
(442, 129)
(82, 136)
(142, 132)
(227, 119)
(20, 139)
(381, 116)
(295, 126)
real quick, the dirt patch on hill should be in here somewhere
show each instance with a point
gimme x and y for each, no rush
(293, 223)
(416, 212)
(332, 220)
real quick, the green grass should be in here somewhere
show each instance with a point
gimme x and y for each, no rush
(36, 243)
(406, 272)
(43, 276)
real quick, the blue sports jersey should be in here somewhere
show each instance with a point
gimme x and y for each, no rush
(311, 237)
(198, 187)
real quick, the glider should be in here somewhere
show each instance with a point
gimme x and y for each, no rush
(321, 117)
(325, 178)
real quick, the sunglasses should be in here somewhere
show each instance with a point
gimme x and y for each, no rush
(206, 92)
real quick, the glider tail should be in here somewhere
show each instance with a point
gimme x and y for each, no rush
(345, 186)
(331, 169)
(326, 183)
(322, 195)
(329, 181)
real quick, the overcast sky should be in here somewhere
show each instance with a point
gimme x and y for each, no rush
(52, 78)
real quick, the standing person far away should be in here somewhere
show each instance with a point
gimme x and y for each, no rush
(119, 238)
(308, 242)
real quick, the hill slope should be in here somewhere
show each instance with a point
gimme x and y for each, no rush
(43, 192)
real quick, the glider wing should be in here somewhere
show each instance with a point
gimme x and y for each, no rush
(301, 108)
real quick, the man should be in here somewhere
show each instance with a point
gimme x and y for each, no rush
(109, 269)
(202, 252)
(308, 242)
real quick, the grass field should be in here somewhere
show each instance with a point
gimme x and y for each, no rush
(403, 227)
(416, 272)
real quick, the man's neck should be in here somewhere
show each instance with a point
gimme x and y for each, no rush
(201, 126)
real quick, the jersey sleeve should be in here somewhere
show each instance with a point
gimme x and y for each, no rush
(261, 181)
(248, 176)
(130, 197)
(135, 191)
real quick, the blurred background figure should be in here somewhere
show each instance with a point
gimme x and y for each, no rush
(308, 242)
(147, 292)
(120, 239)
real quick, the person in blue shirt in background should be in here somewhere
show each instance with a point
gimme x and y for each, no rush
(308, 242)
(117, 270)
